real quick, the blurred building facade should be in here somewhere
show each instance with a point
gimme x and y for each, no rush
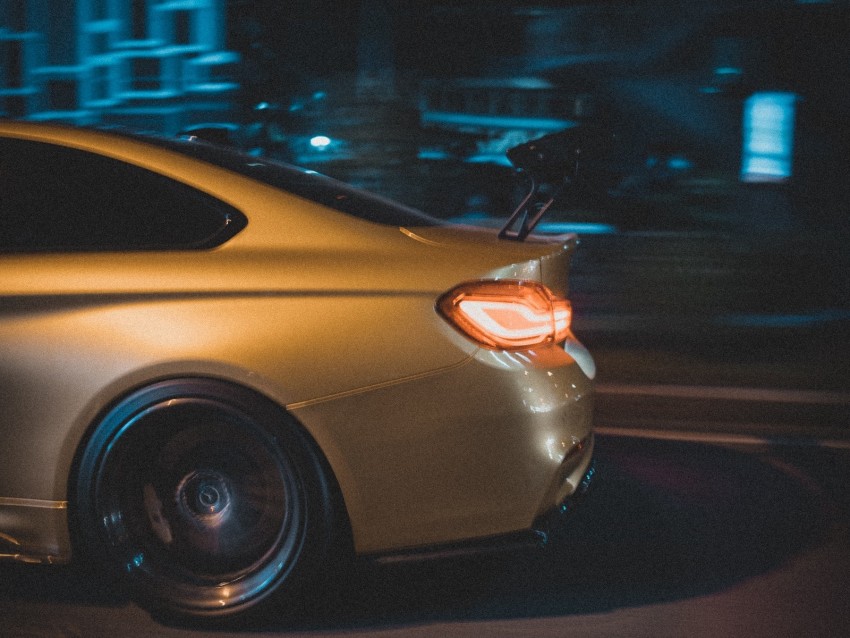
(150, 64)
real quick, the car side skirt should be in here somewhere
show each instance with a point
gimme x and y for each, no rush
(34, 531)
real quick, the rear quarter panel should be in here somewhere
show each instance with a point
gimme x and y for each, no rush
(64, 363)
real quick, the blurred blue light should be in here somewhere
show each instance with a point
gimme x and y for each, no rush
(496, 121)
(545, 228)
(580, 228)
(679, 163)
(434, 154)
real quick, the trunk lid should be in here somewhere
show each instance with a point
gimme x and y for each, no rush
(543, 258)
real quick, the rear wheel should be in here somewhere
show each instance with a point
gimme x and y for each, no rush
(208, 496)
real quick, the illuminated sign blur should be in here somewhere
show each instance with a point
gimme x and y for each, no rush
(768, 137)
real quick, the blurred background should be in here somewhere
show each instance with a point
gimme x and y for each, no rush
(721, 215)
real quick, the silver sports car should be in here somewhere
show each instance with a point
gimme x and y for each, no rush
(220, 374)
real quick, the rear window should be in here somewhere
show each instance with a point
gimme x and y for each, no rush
(303, 183)
(59, 199)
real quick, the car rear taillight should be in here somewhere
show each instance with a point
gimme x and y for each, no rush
(507, 314)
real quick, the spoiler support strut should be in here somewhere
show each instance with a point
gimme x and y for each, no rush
(552, 160)
(529, 212)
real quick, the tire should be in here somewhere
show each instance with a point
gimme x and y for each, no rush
(205, 496)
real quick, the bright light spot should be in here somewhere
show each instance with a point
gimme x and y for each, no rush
(136, 561)
(556, 450)
(563, 317)
(320, 141)
(507, 319)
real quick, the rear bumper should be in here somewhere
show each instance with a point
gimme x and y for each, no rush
(552, 520)
(480, 450)
(545, 526)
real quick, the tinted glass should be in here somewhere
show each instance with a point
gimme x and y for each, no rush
(54, 198)
(303, 183)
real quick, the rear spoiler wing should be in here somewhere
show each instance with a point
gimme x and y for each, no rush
(552, 165)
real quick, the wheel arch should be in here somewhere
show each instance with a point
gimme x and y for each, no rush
(121, 403)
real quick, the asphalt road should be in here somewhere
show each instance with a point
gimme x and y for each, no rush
(677, 538)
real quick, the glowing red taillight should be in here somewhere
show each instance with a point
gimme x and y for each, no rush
(507, 314)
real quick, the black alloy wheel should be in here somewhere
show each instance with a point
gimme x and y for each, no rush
(208, 496)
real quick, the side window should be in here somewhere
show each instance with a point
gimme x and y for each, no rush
(58, 199)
